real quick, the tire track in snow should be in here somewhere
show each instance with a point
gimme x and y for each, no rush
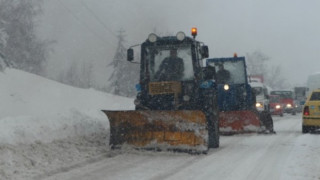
(242, 155)
(270, 167)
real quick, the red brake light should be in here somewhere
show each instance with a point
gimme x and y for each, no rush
(306, 111)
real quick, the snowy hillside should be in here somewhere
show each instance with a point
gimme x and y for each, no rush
(36, 112)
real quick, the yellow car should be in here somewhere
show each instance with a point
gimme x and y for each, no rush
(311, 112)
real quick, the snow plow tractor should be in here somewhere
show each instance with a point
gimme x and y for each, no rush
(236, 99)
(176, 105)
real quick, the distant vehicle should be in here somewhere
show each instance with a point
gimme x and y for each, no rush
(311, 112)
(300, 97)
(262, 96)
(287, 99)
(236, 100)
(276, 107)
(313, 82)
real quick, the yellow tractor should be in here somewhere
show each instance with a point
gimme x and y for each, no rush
(176, 105)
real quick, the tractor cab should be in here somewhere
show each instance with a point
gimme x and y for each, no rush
(170, 72)
(236, 99)
(234, 92)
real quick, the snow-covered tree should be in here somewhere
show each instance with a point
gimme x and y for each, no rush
(125, 74)
(3, 43)
(23, 48)
(257, 64)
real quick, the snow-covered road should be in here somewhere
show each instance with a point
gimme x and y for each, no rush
(70, 141)
(289, 154)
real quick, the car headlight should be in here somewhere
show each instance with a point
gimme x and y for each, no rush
(259, 105)
(289, 105)
(278, 106)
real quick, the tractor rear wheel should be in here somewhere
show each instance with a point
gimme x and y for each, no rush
(213, 123)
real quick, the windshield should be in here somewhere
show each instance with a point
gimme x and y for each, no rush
(258, 91)
(231, 72)
(315, 96)
(170, 63)
(274, 99)
(283, 94)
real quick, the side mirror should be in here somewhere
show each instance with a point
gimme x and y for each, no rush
(267, 96)
(205, 51)
(209, 72)
(130, 54)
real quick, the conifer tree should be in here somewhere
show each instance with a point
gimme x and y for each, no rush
(125, 74)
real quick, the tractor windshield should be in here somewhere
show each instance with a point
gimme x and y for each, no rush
(170, 63)
(230, 72)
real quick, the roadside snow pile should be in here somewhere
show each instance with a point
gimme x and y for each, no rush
(45, 124)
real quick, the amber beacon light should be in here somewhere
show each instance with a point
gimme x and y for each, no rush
(194, 32)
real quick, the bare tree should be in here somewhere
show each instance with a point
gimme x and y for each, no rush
(275, 78)
(257, 64)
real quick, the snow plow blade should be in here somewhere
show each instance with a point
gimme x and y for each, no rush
(235, 122)
(160, 130)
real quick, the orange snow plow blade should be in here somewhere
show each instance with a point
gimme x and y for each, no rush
(161, 130)
(233, 122)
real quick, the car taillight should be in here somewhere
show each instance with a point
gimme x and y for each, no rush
(306, 111)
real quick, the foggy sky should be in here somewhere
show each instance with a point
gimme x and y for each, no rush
(285, 30)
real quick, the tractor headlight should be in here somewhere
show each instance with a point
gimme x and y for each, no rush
(226, 87)
(152, 37)
(186, 98)
(181, 35)
(278, 106)
(259, 105)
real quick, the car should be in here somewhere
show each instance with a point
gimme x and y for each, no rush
(262, 96)
(276, 107)
(311, 112)
(286, 98)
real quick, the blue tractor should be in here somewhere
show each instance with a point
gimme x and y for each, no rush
(236, 98)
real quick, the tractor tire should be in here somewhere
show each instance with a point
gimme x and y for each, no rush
(305, 129)
(212, 114)
(267, 121)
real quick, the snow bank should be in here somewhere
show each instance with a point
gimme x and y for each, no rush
(46, 125)
(33, 109)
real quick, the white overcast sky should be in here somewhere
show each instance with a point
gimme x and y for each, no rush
(288, 31)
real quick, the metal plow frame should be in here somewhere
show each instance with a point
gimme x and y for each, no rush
(236, 122)
(160, 130)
